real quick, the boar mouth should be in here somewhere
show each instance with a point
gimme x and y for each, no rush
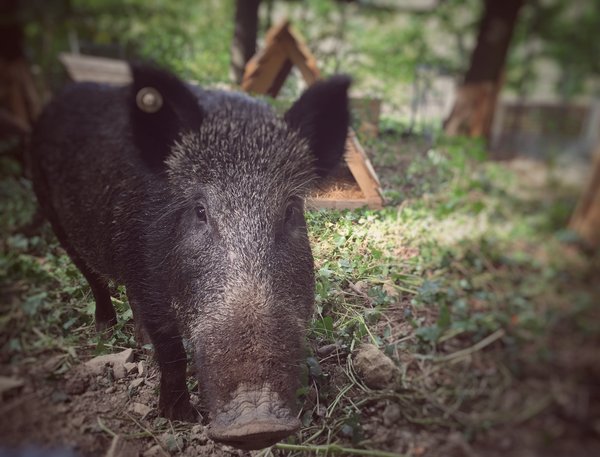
(253, 419)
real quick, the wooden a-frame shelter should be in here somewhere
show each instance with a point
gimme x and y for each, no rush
(265, 74)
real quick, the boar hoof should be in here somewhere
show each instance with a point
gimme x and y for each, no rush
(141, 335)
(104, 327)
(181, 410)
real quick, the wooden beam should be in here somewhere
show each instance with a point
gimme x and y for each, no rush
(341, 203)
(97, 69)
(264, 70)
(300, 55)
(280, 78)
(362, 170)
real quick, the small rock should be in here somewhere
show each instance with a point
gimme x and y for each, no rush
(375, 368)
(172, 442)
(77, 421)
(117, 361)
(110, 390)
(130, 367)
(53, 363)
(140, 409)
(136, 382)
(328, 349)
(391, 414)
(121, 447)
(152, 451)
(198, 434)
(10, 384)
(362, 286)
(58, 396)
(390, 289)
(141, 368)
(505, 443)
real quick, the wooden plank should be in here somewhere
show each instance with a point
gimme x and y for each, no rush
(342, 203)
(263, 57)
(362, 170)
(280, 37)
(280, 78)
(96, 69)
(301, 57)
(275, 32)
(264, 69)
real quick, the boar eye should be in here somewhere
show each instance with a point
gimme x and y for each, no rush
(201, 213)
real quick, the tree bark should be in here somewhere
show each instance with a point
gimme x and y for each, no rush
(475, 103)
(586, 218)
(11, 31)
(243, 45)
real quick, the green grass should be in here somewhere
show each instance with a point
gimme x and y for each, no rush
(465, 280)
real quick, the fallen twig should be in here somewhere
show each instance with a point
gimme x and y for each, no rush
(335, 449)
(471, 350)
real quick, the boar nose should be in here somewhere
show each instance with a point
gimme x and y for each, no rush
(253, 419)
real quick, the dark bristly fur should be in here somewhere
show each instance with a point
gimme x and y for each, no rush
(197, 209)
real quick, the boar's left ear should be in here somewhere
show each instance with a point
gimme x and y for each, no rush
(162, 107)
(322, 116)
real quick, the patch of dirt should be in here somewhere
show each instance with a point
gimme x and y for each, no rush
(82, 410)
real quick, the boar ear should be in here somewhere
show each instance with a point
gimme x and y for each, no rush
(162, 107)
(322, 116)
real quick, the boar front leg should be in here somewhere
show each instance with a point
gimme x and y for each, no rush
(174, 400)
(161, 327)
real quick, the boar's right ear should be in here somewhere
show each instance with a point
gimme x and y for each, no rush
(322, 116)
(162, 107)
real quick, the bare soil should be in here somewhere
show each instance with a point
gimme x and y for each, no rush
(81, 412)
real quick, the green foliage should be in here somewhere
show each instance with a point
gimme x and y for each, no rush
(385, 49)
(560, 31)
(191, 37)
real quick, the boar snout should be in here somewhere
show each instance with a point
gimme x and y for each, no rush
(255, 418)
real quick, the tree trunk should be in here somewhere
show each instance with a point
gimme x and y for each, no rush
(19, 104)
(586, 218)
(243, 46)
(11, 31)
(475, 103)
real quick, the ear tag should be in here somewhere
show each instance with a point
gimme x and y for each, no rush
(149, 100)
